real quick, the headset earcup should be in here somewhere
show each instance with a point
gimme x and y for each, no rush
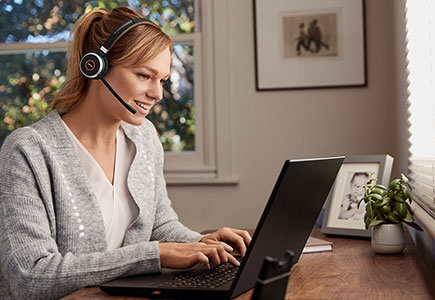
(91, 65)
(105, 66)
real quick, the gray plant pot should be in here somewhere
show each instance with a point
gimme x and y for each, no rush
(388, 238)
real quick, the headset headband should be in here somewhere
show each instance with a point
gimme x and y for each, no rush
(124, 28)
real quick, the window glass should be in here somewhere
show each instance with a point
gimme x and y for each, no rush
(27, 81)
(45, 21)
(174, 116)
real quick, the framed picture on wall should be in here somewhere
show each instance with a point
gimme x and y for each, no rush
(342, 216)
(303, 44)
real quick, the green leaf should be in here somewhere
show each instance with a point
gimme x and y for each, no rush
(416, 226)
(386, 209)
(393, 218)
(408, 218)
(395, 184)
(409, 208)
(398, 198)
(377, 191)
(377, 222)
(405, 192)
(376, 197)
(404, 179)
(380, 216)
(367, 219)
(360, 200)
(402, 210)
(391, 194)
(380, 186)
(369, 209)
(381, 202)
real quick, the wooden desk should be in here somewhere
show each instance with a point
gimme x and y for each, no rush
(351, 271)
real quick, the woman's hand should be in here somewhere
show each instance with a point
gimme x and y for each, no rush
(237, 238)
(212, 250)
(186, 255)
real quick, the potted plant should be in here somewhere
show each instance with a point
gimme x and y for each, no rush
(386, 210)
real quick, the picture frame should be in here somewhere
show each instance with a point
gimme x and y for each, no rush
(308, 44)
(341, 215)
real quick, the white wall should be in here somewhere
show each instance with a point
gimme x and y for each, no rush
(269, 127)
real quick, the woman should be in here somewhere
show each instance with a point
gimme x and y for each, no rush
(82, 193)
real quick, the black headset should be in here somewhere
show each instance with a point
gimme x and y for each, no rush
(94, 65)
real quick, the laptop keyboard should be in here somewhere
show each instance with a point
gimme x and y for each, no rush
(204, 278)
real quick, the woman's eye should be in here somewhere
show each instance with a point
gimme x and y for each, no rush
(142, 75)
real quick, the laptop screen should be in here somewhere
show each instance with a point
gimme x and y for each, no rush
(290, 214)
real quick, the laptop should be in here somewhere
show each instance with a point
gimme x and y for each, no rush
(286, 223)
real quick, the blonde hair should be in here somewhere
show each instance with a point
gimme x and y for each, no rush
(90, 32)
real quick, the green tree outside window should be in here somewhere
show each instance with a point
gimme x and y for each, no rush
(29, 79)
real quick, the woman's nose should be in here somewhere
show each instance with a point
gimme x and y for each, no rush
(155, 92)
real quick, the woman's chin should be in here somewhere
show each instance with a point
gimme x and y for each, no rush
(136, 120)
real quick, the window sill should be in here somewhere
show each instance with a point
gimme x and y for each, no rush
(424, 218)
(171, 181)
(198, 176)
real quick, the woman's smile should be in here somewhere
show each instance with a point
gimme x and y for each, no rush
(143, 107)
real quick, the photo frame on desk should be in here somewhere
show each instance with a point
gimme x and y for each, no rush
(305, 44)
(342, 217)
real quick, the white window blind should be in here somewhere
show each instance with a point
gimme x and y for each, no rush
(420, 25)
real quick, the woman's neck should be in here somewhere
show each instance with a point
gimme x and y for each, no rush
(94, 128)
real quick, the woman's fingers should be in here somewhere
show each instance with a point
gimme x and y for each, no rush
(227, 247)
(238, 237)
(213, 255)
(244, 234)
(219, 255)
(232, 260)
(200, 257)
(185, 255)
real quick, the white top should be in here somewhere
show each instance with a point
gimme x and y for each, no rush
(117, 206)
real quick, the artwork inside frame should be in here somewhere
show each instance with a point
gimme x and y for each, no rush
(304, 34)
(342, 216)
(304, 44)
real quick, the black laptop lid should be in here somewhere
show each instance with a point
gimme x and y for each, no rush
(290, 214)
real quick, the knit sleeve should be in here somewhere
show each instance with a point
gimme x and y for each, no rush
(32, 267)
(166, 227)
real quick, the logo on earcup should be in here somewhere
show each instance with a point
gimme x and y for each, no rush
(92, 65)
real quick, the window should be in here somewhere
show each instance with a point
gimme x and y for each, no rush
(421, 66)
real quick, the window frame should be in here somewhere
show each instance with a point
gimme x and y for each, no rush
(212, 161)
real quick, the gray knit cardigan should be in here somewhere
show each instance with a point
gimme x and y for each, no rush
(51, 229)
